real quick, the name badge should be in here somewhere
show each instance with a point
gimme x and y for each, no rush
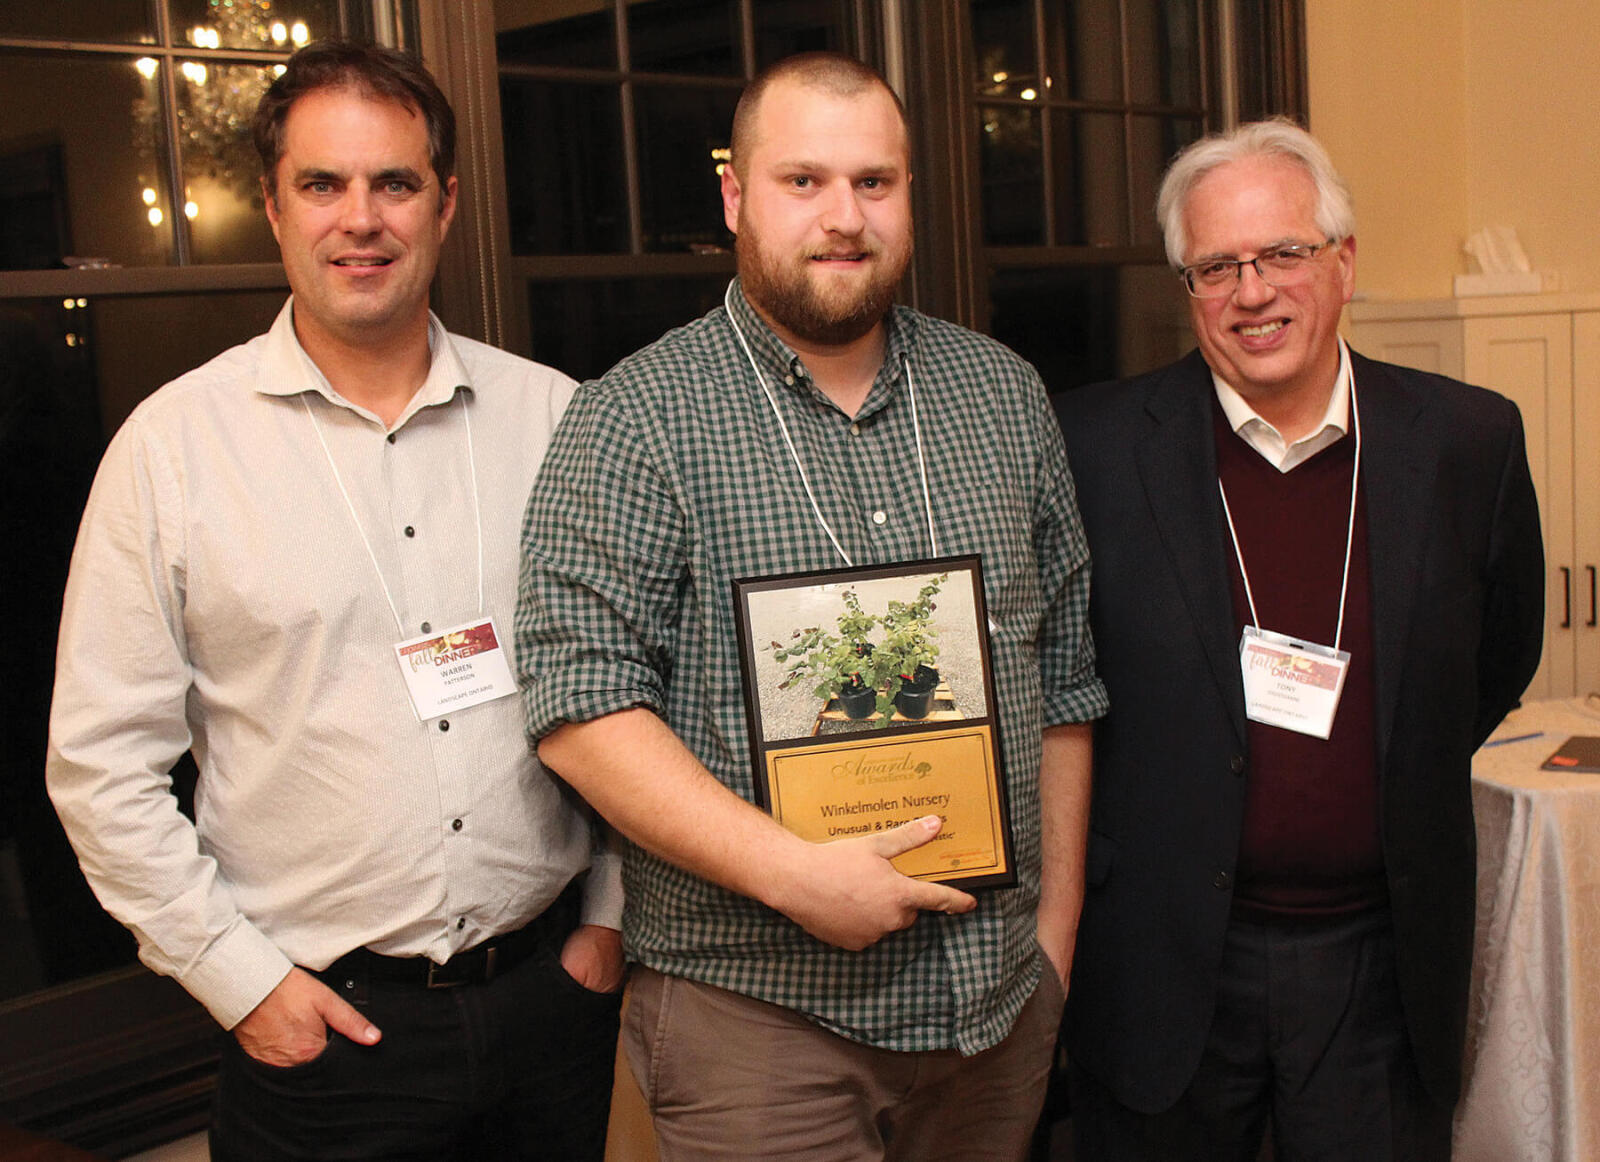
(1291, 684)
(454, 669)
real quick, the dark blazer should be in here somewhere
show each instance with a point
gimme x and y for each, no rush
(1457, 577)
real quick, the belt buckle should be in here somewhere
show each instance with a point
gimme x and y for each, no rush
(444, 976)
(456, 972)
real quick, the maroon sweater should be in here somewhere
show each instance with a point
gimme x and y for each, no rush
(1310, 846)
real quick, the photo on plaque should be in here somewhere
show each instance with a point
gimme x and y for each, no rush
(869, 694)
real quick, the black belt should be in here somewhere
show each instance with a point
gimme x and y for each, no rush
(479, 964)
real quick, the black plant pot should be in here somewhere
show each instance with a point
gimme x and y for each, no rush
(915, 697)
(858, 702)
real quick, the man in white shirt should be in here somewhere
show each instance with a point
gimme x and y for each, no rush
(299, 562)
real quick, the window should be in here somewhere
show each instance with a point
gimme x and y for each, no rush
(615, 116)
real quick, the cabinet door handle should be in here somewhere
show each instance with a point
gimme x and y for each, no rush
(1592, 611)
(1566, 597)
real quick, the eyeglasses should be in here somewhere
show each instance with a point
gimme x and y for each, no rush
(1281, 266)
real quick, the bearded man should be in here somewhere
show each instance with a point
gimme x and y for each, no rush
(792, 999)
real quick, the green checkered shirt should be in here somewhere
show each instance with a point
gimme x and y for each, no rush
(667, 479)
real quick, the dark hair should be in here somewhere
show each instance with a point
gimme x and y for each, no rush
(370, 69)
(831, 72)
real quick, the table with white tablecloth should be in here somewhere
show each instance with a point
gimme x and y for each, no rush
(1532, 1081)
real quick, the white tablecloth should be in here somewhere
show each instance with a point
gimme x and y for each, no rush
(1532, 1081)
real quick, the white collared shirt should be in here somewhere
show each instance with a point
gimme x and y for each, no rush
(1267, 440)
(221, 599)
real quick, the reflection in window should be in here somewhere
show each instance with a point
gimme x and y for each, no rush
(69, 183)
(222, 196)
(564, 167)
(256, 25)
(684, 36)
(71, 369)
(1071, 158)
(1011, 161)
(585, 326)
(683, 133)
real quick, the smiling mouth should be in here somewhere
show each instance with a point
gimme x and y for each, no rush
(1261, 330)
(853, 256)
(377, 261)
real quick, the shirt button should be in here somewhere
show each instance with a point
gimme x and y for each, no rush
(879, 517)
(427, 627)
(444, 724)
(410, 532)
(855, 429)
(1236, 764)
(461, 922)
(788, 380)
(391, 437)
(1221, 881)
(456, 825)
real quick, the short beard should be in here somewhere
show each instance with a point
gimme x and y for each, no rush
(783, 294)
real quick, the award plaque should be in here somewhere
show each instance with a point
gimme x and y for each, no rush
(870, 698)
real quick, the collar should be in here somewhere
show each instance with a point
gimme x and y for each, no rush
(1268, 441)
(286, 369)
(782, 367)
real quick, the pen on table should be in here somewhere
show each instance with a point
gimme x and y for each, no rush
(1514, 738)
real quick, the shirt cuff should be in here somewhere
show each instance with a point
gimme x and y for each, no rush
(236, 973)
(1083, 703)
(602, 890)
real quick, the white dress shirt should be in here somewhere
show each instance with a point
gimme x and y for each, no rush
(1268, 441)
(222, 600)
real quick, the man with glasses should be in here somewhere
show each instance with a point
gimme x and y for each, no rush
(1317, 588)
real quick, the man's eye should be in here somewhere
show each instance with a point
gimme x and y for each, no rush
(1287, 258)
(871, 183)
(1212, 271)
(397, 188)
(801, 182)
(319, 187)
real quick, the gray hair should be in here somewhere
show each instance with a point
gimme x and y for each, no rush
(1277, 138)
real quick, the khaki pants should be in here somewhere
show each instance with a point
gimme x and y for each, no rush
(728, 1077)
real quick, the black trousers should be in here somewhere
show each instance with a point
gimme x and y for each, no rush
(520, 1067)
(1309, 1040)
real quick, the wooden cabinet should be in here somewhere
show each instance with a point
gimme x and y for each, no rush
(1543, 351)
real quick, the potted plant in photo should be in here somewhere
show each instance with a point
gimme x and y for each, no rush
(908, 652)
(840, 665)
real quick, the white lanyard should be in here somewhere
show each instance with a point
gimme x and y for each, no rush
(911, 391)
(1350, 530)
(477, 515)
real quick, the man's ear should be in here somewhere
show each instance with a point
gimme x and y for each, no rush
(731, 193)
(447, 206)
(270, 200)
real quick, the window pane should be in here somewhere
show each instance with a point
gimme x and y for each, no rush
(1163, 52)
(1091, 185)
(72, 369)
(70, 185)
(1011, 171)
(785, 27)
(1085, 37)
(1003, 47)
(680, 130)
(584, 327)
(564, 167)
(272, 25)
(586, 41)
(1155, 141)
(221, 170)
(116, 20)
(1084, 324)
(684, 36)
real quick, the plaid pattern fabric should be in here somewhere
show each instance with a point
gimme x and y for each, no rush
(667, 479)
